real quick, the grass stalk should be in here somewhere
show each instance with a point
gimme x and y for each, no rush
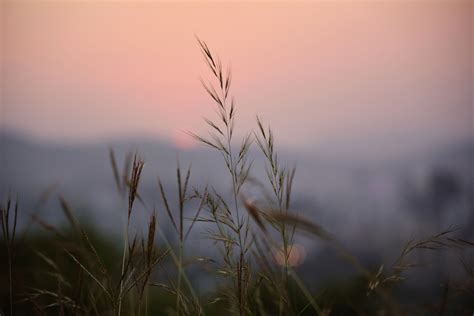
(122, 271)
(9, 234)
(136, 171)
(237, 166)
(180, 272)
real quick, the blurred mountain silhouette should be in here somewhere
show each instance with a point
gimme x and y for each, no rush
(413, 192)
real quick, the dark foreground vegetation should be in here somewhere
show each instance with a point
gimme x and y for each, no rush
(76, 269)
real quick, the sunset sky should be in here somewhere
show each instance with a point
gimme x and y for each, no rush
(348, 73)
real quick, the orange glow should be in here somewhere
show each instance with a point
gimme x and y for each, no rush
(183, 141)
(82, 70)
(296, 256)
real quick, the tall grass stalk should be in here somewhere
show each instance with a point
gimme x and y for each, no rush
(281, 182)
(137, 169)
(222, 140)
(182, 232)
(9, 233)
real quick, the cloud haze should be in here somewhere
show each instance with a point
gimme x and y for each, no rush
(338, 73)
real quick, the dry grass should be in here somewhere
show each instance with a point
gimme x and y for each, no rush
(255, 239)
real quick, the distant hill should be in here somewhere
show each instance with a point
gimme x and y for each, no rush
(346, 194)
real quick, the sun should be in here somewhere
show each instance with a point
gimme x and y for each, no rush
(182, 140)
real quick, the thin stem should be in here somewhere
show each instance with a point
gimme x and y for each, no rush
(239, 226)
(125, 246)
(286, 255)
(176, 261)
(178, 289)
(146, 301)
(10, 279)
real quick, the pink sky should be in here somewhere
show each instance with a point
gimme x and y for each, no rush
(323, 72)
